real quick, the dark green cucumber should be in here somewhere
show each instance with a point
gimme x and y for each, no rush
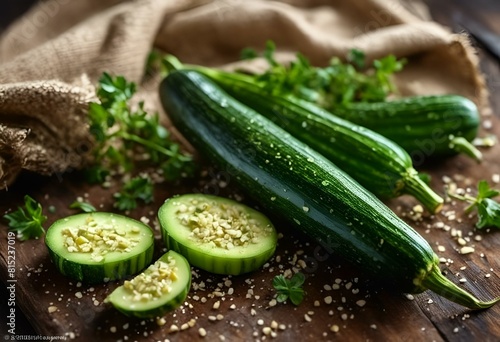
(99, 261)
(425, 126)
(217, 234)
(161, 288)
(379, 164)
(291, 180)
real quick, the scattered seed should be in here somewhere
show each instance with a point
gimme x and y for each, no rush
(361, 303)
(466, 250)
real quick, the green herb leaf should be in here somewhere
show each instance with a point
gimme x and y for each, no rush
(138, 188)
(248, 53)
(126, 137)
(289, 288)
(337, 84)
(489, 213)
(27, 221)
(488, 210)
(83, 206)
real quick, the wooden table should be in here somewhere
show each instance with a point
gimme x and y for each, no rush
(339, 296)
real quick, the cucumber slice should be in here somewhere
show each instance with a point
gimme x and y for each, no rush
(162, 287)
(97, 247)
(217, 234)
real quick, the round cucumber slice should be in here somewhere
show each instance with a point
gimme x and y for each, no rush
(217, 234)
(162, 287)
(97, 247)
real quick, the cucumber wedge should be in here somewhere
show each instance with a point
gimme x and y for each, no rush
(161, 288)
(217, 234)
(98, 247)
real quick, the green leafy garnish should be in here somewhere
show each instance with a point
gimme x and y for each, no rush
(27, 222)
(289, 288)
(83, 206)
(126, 137)
(138, 188)
(488, 210)
(337, 84)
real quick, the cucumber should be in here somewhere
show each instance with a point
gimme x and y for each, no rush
(377, 163)
(161, 288)
(427, 127)
(217, 234)
(297, 183)
(98, 247)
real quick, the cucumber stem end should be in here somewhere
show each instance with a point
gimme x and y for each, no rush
(416, 187)
(462, 145)
(438, 283)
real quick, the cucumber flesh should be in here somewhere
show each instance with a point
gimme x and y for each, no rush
(161, 288)
(217, 234)
(98, 247)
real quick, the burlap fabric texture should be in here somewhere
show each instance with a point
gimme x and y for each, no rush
(51, 58)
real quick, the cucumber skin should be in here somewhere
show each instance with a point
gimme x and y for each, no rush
(207, 262)
(377, 163)
(419, 124)
(286, 177)
(98, 273)
(159, 311)
(94, 274)
(211, 264)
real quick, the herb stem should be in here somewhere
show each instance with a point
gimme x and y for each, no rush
(144, 142)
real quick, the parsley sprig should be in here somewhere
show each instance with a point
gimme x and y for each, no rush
(488, 210)
(27, 222)
(289, 288)
(125, 136)
(337, 84)
(136, 189)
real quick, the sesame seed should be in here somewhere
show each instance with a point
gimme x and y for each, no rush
(202, 332)
(361, 303)
(334, 328)
(466, 250)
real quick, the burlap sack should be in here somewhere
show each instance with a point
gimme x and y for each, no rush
(51, 58)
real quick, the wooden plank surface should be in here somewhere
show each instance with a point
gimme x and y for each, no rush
(386, 315)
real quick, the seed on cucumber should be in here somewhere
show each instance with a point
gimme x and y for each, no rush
(161, 288)
(97, 247)
(217, 234)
